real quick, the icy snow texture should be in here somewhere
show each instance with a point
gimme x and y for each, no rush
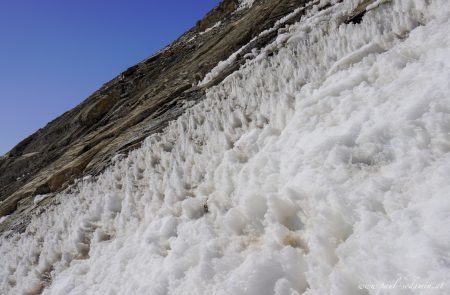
(245, 4)
(315, 170)
(37, 199)
(3, 218)
(210, 28)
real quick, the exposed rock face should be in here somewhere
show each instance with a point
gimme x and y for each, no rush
(137, 103)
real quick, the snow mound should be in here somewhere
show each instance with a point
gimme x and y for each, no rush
(245, 4)
(322, 169)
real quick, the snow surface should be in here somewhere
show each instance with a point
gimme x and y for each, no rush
(222, 65)
(211, 28)
(323, 169)
(207, 30)
(245, 4)
(3, 218)
(37, 199)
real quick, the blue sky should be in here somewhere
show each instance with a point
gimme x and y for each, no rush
(54, 53)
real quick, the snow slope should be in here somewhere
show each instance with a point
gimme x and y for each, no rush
(321, 169)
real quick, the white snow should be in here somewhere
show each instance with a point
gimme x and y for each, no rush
(217, 24)
(3, 218)
(38, 198)
(88, 177)
(222, 65)
(211, 28)
(245, 4)
(320, 170)
(376, 4)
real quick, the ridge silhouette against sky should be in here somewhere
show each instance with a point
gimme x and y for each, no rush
(54, 54)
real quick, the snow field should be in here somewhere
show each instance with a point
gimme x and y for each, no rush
(312, 171)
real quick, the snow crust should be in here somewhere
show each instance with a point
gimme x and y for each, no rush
(318, 170)
(37, 199)
(245, 4)
(217, 24)
(3, 218)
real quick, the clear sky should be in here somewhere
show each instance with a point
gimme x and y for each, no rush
(54, 53)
